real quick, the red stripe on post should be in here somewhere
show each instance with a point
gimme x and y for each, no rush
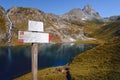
(50, 37)
(20, 40)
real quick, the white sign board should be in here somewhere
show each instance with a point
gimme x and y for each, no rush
(35, 26)
(33, 37)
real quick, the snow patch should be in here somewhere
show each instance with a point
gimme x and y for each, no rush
(71, 39)
(83, 19)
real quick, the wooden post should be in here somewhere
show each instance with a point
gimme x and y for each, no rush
(31, 36)
(34, 61)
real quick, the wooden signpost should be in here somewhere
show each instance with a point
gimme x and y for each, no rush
(34, 61)
(34, 36)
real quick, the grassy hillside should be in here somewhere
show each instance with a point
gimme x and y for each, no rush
(108, 31)
(100, 63)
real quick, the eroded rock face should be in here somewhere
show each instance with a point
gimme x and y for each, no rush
(90, 12)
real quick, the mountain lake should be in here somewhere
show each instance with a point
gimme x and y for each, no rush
(16, 61)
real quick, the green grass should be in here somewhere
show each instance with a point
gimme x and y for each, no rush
(47, 74)
(100, 63)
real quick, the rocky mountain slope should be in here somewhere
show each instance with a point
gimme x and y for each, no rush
(60, 29)
(3, 26)
(78, 24)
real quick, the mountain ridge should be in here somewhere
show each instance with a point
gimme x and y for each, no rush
(60, 29)
(87, 13)
(74, 29)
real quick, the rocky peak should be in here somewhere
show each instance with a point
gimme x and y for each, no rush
(88, 10)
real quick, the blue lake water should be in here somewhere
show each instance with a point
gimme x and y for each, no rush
(16, 61)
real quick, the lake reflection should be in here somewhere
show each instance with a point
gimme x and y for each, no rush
(16, 61)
